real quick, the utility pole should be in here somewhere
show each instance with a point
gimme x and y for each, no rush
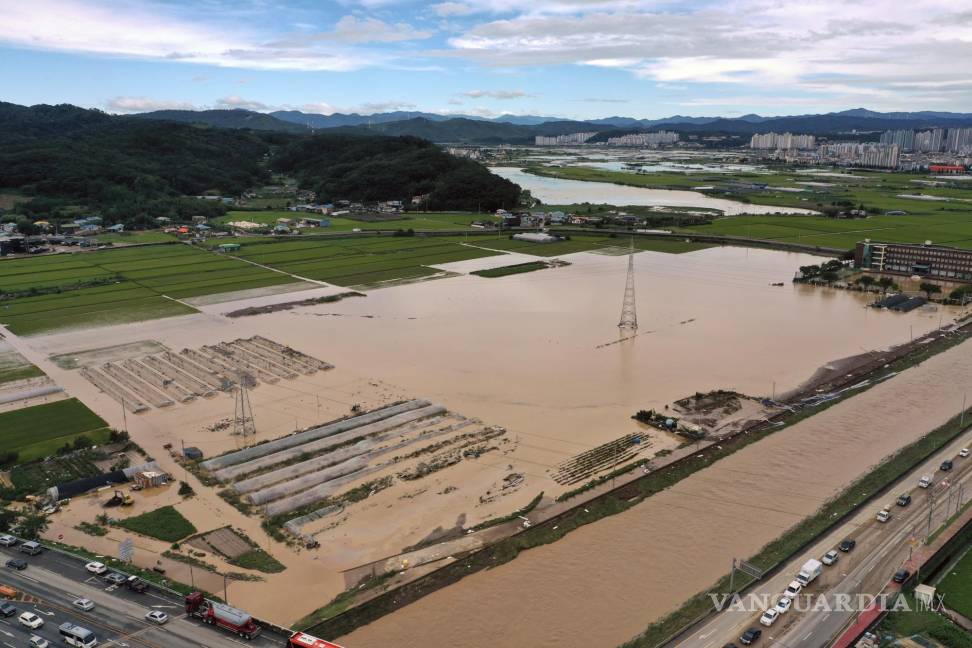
(931, 508)
(732, 576)
(629, 310)
(962, 418)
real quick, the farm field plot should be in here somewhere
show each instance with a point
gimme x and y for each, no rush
(38, 431)
(587, 243)
(412, 220)
(356, 262)
(164, 523)
(118, 286)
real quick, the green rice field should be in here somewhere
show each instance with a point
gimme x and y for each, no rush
(38, 431)
(411, 220)
(117, 286)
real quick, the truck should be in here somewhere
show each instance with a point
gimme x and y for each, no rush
(219, 614)
(304, 640)
(810, 570)
(925, 481)
(883, 515)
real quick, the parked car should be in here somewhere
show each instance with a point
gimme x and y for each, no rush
(96, 568)
(783, 605)
(17, 563)
(830, 557)
(84, 604)
(157, 616)
(31, 620)
(847, 545)
(793, 589)
(964, 452)
(39, 642)
(946, 465)
(7, 610)
(8, 540)
(901, 576)
(904, 499)
(115, 578)
(769, 617)
(750, 636)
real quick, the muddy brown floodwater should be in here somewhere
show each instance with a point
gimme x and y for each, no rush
(605, 582)
(528, 352)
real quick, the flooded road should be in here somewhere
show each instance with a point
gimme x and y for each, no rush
(604, 583)
(557, 191)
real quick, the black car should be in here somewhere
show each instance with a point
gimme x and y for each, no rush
(904, 500)
(136, 584)
(17, 563)
(7, 610)
(115, 578)
(750, 636)
(847, 545)
(901, 576)
(946, 465)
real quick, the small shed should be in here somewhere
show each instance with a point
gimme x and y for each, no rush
(925, 595)
(229, 247)
(150, 478)
(192, 452)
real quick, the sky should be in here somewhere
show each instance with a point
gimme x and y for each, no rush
(567, 58)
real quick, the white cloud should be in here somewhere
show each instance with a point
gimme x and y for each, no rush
(145, 104)
(450, 9)
(233, 102)
(497, 94)
(351, 29)
(385, 106)
(124, 29)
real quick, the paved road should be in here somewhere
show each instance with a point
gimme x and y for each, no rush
(881, 550)
(52, 581)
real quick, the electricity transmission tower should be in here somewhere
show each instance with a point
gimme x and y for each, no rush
(242, 410)
(629, 311)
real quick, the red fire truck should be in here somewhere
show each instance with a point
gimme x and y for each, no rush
(303, 640)
(222, 615)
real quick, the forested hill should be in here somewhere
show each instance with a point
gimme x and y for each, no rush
(130, 169)
(377, 168)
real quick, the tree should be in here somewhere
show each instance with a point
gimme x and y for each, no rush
(829, 276)
(33, 525)
(7, 518)
(929, 288)
(885, 283)
(866, 282)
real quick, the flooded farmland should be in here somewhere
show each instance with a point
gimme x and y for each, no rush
(558, 191)
(604, 583)
(529, 352)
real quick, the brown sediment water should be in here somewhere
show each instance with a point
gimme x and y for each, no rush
(604, 583)
(526, 352)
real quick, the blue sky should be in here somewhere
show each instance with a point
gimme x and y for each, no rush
(572, 58)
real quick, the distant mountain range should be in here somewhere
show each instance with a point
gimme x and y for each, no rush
(521, 129)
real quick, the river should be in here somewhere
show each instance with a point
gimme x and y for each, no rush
(604, 583)
(558, 191)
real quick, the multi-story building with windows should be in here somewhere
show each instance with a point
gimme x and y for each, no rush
(924, 260)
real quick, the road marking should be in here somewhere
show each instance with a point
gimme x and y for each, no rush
(808, 635)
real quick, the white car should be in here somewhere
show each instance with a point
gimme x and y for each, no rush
(7, 540)
(783, 605)
(883, 515)
(96, 568)
(157, 616)
(31, 620)
(793, 590)
(830, 557)
(83, 604)
(39, 642)
(769, 617)
(925, 481)
(964, 452)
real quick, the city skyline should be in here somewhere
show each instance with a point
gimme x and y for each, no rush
(580, 59)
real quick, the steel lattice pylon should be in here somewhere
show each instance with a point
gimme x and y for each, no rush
(243, 423)
(629, 310)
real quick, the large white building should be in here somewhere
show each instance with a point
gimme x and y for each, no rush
(653, 140)
(905, 139)
(930, 141)
(560, 140)
(782, 141)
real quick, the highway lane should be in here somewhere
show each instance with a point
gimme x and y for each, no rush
(53, 581)
(881, 549)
